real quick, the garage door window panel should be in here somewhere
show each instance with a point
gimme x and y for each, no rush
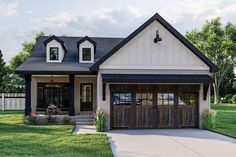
(165, 98)
(144, 99)
(121, 99)
(187, 99)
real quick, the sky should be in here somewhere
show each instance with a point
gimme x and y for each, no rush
(20, 20)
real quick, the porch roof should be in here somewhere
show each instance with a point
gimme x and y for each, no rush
(155, 78)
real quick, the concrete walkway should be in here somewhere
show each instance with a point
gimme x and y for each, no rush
(84, 129)
(171, 143)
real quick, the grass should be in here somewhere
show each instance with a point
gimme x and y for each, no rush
(17, 139)
(226, 119)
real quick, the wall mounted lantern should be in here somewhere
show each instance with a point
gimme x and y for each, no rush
(158, 38)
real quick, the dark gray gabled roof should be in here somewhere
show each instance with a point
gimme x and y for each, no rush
(37, 64)
(155, 78)
(171, 29)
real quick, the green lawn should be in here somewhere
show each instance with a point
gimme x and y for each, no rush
(226, 119)
(20, 140)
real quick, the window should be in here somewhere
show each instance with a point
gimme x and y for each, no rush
(143, 99)
(86, 93)
(187, 99)
(52, 94)
(165, 98)
(54, 54)
(86, 54)
(121, 98)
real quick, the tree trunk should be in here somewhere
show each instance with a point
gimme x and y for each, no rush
(216, 93)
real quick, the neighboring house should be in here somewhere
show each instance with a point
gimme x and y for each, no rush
(154, 78)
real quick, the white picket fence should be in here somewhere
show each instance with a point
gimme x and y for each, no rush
(12, 101)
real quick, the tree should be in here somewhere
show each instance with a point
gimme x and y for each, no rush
(218, 43)
(2, 71)
(21, 57)
(14, 83)
(234, 85)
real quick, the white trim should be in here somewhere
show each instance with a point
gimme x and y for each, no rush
(86, 44)
(61, 51)
(144, 67)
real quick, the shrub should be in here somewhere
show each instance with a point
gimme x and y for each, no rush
(50, 119)
(209, 119)
(227, 98)
(233, 99)
(100, 120)
(66, 120)
(31, 119)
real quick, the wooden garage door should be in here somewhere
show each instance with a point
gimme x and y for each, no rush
(154, 109)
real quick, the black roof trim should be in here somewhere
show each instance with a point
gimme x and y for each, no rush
(53, 37)
(21, 72)
(213, 67)
(88, 39)
(155, 78)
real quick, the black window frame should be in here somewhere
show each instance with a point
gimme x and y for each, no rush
(42, 93)
(50, 53)
(90, 51)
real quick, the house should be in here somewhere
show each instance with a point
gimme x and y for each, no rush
(154, 78)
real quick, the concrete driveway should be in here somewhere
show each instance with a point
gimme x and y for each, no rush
(171, 143)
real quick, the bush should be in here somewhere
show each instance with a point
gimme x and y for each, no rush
(227, 98)
(233, 99)
(100, 120)
(50, 119)
(31, 119)
(66, 120)
(209, 119)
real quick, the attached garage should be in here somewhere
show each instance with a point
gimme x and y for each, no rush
(160, 105)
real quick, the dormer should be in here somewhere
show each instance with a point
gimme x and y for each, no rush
(55, 49)
(86, 47)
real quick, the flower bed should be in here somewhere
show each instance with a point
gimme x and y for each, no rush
(34, 119)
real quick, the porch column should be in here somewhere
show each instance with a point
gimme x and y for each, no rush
(72, 92)
(27, 94)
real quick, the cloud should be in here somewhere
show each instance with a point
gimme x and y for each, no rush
(8, 9)
(102, 21)
(9, 44)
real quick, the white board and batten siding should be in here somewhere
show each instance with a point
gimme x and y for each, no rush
(142, 56)
(141, 53)
(12, 101)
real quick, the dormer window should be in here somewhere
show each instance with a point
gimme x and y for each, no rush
(55, 49)
(86, 47)
(54, 53)
(86, 54)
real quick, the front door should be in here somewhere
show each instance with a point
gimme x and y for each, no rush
(86, 97)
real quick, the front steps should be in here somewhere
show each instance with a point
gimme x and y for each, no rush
(85, 119)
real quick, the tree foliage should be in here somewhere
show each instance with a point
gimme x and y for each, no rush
(218, 43)
(12, 82)
(2, 71)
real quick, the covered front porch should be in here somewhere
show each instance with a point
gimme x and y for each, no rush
(60, 94)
